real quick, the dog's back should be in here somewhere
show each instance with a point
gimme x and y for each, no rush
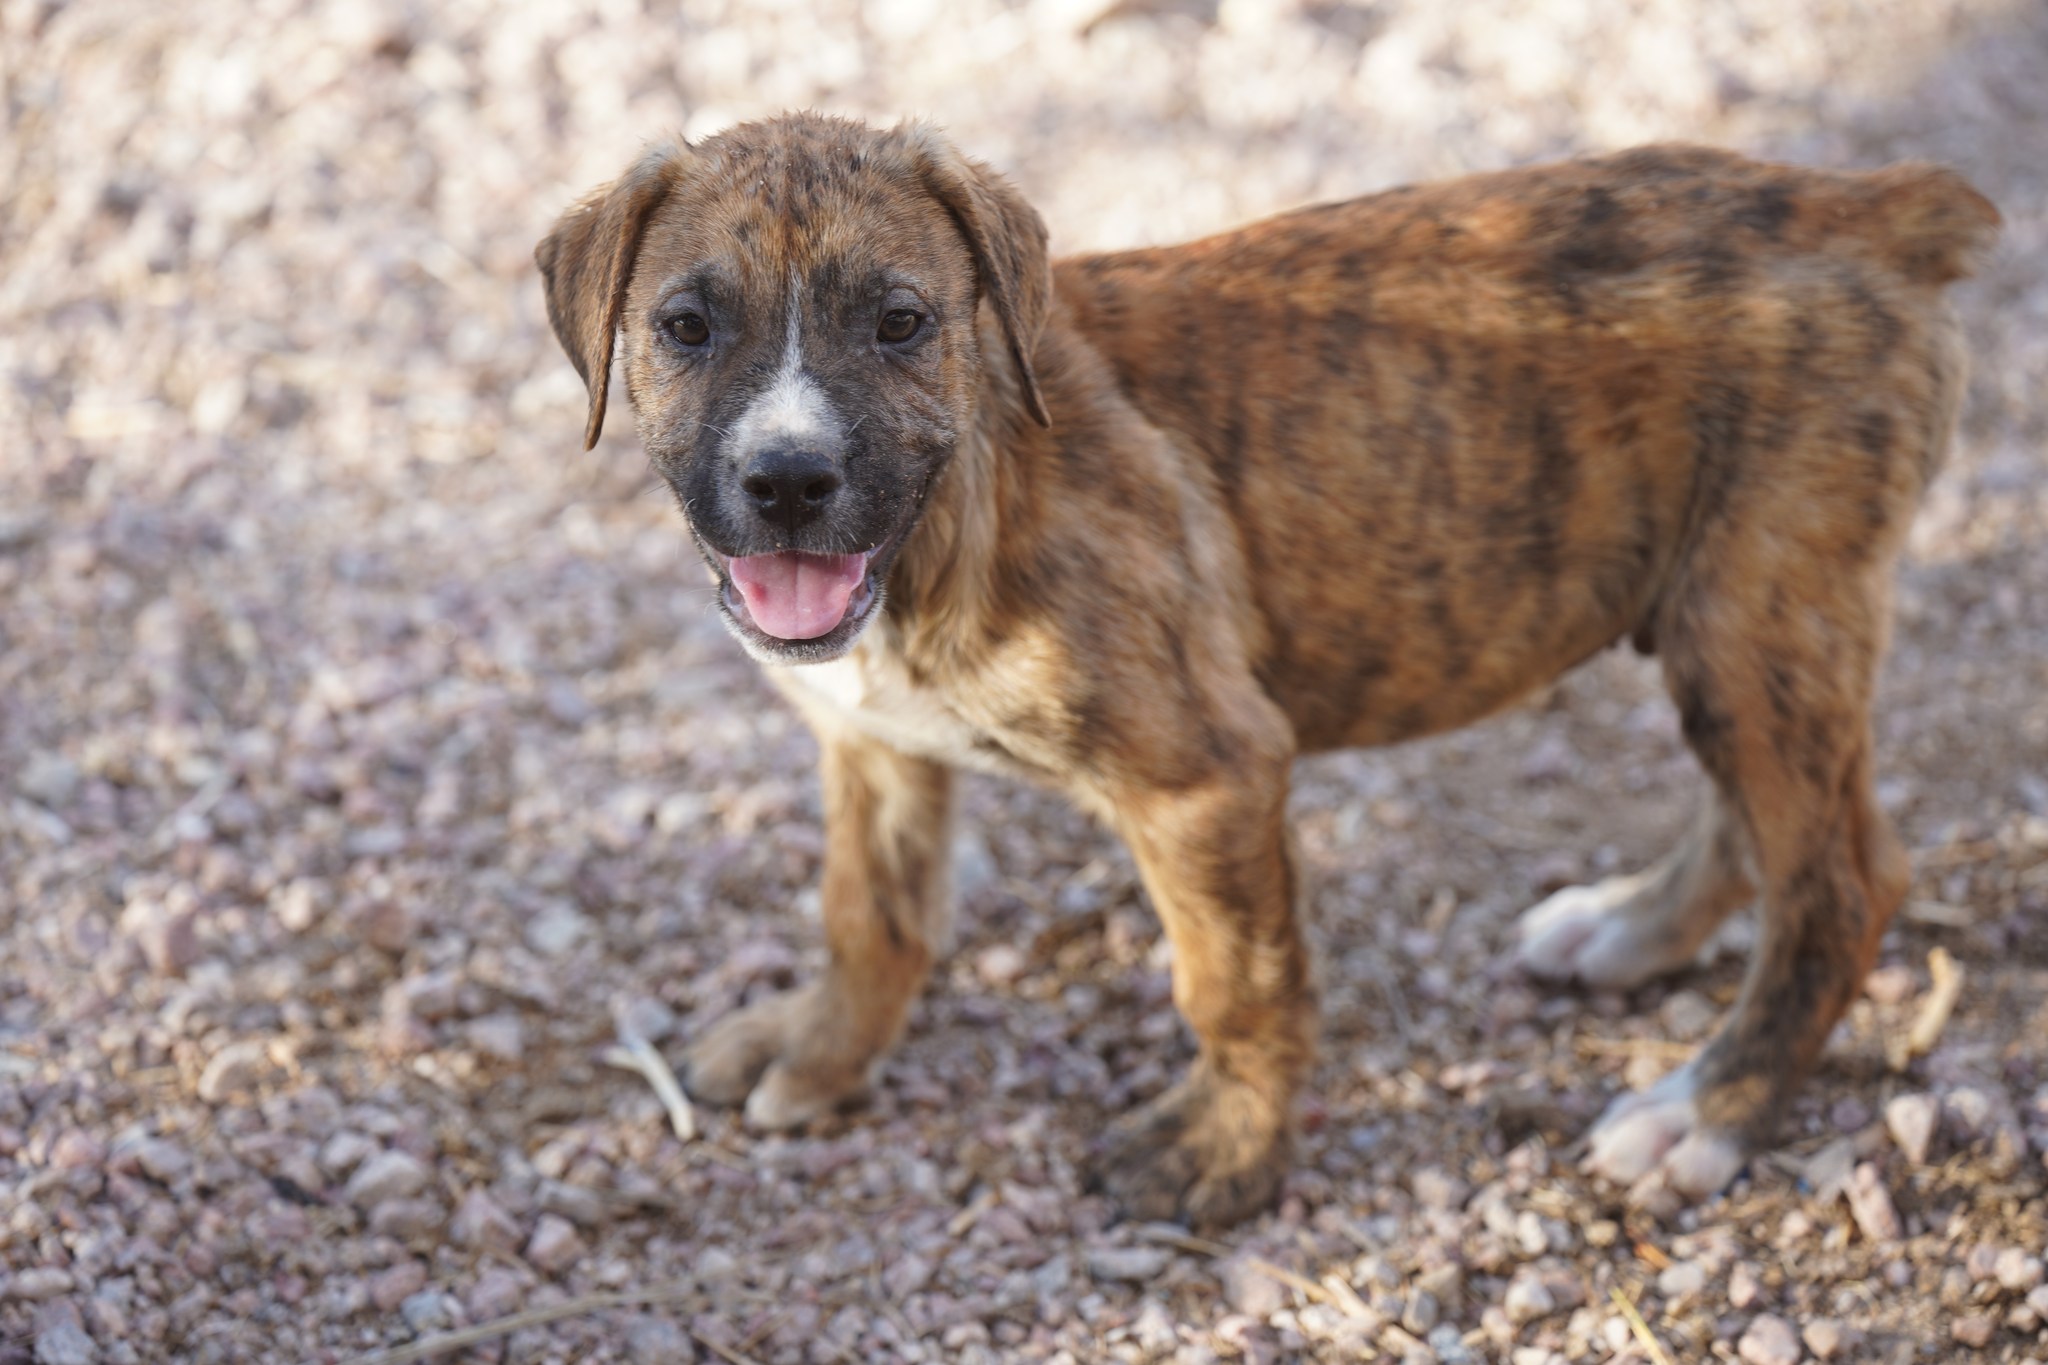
(1503, 407)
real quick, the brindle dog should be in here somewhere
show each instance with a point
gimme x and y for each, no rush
(1145, 526)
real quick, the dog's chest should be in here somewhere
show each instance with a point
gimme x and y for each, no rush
(874, 694)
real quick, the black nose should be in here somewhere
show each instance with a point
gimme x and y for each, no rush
(791, 487)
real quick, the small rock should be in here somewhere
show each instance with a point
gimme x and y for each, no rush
(496, 1293)
(577, 1203)
(1870, 1203)
(653, 1021)
(1135, 1265)
(407, 1219)
(385, 925)
(234, 1070)
(2038, 1301)
(482, 1225)
(499, 1036)
(48, 778)
(1891, 985)
(1527, 1299)
(554, 1246)
(167, 935)
(1744, 1288)
(344, 1152)
(2018, 1270)
(393, 1286)
(1421, 1313)
(1911, 1120)
(428, 1311)
(1973, 1330)
(1770, 1340)
(432, 996)
(387, 1175)
(1000, 964)
(556, 929)
(1681, 1279)
(1436, 1188)
(61, 1338)
(909, 1273)
(1823, 1337)
(652, 1340)
(161, 1159)
(38, 1283)
(75, 1150)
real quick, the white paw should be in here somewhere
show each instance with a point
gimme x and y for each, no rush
(780, 1101)
(1654, 1135)
(1582, 934)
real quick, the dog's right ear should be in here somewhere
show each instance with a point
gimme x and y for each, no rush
(587, 263)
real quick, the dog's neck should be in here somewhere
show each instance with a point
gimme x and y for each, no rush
(946, 572)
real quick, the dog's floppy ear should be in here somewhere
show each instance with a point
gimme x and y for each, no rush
(1007, 238)
(587, 262)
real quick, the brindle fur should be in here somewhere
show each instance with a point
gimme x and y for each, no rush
(1351, 475)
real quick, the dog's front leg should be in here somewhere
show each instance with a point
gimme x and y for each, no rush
(1218, 861)
(887, 841)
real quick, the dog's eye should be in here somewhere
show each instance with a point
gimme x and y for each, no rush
(689, 329)
(898, 325)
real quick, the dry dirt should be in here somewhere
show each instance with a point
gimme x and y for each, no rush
(364, 746)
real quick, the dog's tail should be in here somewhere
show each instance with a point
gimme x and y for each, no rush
(1927, 222)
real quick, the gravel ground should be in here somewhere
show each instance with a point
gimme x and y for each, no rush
(366, 750)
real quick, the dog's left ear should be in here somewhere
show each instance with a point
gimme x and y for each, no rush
(1007, 238)
(587, 262)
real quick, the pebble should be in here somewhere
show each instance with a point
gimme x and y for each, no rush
(2038, 1301)
(497, 1292)
(38, 1282)
(392, 1286)
(407, 1219)
(1136, 1265)
(1681, 1279)
(386, 925)
(481, 1225)
(75, 1149)
(1973, 1330)
(168, 936)
(1527, 1299)
(1436, 1188)
(430, 1310)
(2018, 1270)
(1870, 1203)
(235, 1069)
(344, 1152)
(556, 929)
(161, 1159)
(1744, 1288)
(554, 1246)
(61, 1339)
(652, 1340)
(498, 1036)
(1000, 964)
(387, 1175)
(1823, 1337)
(1911, 1120)
(1770, 1340)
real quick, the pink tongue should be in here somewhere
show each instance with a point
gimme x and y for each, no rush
(797, 596)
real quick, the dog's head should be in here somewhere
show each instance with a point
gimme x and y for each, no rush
(798, 300)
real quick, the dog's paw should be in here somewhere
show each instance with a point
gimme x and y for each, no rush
(1585, 934)
(1209, 1153)
(1655, 1138)
(778, 1057)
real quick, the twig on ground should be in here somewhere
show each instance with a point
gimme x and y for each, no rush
(634, 1053)
(1934, 1011)
(1641, 1329)
(426, 1348)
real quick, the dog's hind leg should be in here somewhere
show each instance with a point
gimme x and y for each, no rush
(1773, 672)
(1627, 930)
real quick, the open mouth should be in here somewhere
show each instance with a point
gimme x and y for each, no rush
(795, 595)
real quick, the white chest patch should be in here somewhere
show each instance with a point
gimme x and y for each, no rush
(872, 693)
